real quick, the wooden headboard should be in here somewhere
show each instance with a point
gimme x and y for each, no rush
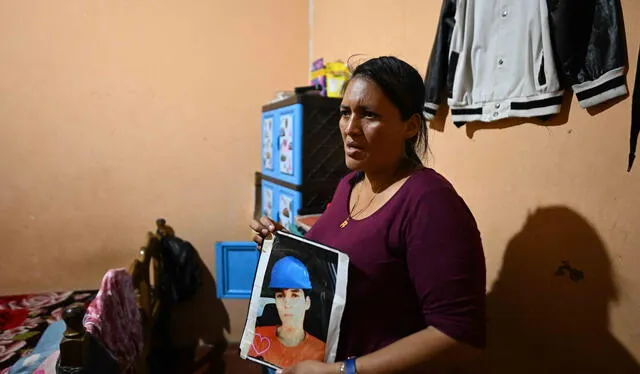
(145, 270)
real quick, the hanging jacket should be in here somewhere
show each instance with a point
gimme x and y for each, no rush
(495, 59)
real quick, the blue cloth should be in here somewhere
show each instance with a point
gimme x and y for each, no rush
(48, 344)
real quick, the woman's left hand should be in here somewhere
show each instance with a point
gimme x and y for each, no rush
(311, 367)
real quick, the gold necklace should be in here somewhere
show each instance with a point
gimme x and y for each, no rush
(351, 215)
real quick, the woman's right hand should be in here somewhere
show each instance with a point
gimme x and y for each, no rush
(264, 227)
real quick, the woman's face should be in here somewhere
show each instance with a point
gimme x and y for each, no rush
(373, 131)
(292, 306)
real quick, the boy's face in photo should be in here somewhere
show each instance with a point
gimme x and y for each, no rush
(292, 305)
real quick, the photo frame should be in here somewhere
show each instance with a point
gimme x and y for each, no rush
(296, 303)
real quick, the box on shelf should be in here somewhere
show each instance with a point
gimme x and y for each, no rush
(330, 76)
(337, 75)
(319, 76)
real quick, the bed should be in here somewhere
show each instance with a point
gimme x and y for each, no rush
(24, 319)
(44, 333)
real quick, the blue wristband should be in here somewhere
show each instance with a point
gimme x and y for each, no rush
(350, 366)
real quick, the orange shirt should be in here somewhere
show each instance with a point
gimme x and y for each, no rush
(268, 347)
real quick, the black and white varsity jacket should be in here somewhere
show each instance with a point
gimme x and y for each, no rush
(494, 59)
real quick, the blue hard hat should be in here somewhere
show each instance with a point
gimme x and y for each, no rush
(289, 272)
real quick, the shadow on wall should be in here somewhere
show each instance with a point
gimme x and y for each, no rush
(546, 316)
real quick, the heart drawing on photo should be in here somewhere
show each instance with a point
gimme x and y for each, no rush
(261, 346)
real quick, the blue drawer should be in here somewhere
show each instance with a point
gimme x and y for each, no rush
(280, 203)
(236, 264)
(282, 143)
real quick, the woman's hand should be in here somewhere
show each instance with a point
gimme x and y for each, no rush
(264, 227)
(311, 367)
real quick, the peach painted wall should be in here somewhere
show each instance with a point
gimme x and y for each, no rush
(541, 194)
(114, 113)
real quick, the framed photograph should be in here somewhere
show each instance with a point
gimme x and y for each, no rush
(296, 306)
(235, 268)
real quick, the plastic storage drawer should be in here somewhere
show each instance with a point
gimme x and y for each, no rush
(282, 202)
(301, 141)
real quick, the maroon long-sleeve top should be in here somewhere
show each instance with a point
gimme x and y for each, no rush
(416, 262)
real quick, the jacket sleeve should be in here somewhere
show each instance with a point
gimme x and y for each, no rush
(635, 117)
(436, 76)
(590, 43)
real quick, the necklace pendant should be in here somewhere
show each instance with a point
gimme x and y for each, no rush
(344, 223)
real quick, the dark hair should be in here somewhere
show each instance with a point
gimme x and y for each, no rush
(403, 85)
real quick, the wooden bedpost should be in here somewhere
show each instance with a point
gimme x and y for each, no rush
(145, 271)
(73, 347)
(77, 346)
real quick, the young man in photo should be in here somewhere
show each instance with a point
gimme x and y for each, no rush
(288, 343)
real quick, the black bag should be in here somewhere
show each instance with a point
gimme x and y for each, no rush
(181, 274)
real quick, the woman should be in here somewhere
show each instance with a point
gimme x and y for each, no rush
(416, 291)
